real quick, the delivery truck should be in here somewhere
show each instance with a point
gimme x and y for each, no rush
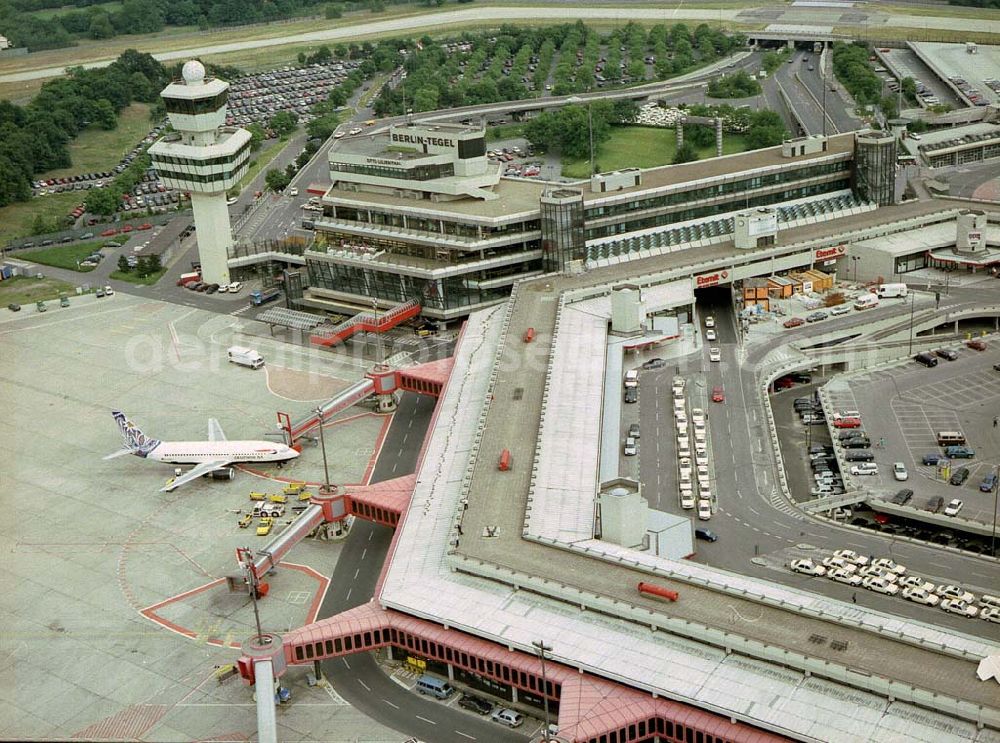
(889, 291)
(245, 357)
(188, 278)
(866, 302)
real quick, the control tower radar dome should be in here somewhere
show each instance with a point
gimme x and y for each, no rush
(193, 72)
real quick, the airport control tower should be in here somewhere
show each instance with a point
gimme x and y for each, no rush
(205, 158)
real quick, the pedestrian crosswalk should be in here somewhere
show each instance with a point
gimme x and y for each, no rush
(242, 310)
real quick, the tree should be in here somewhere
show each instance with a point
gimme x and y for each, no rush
(686, 153)
(276, 180)
(284, 123)
(100, 27)
(699, 135)
(154, 263)
(103, 201)
(889, 106)
(333, 11)
(123, 265)
(257, 135)
(103, 115)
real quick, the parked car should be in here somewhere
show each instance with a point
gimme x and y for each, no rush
(794, 322)
(953, 507)
(920, 596)
(864, 468)
(935, 503)
(14, 307)
(706, 535)
(959, 452)
(816, 316)
(976, 345)
(852, 557)
(476, 704)
(633, 430)
(957, 606)
(714, 354)
(880, 585)
(899, 471)
(891, 565)
(932, 458)
(504, 716)
(808, 567)
(946, 353)
(860, 455)
(954, 592)
(857, 442)
(847, 422)
(988, 483)
(926, 359)
(959, 476)
(654, 364)
(902, 497)
(845, 576)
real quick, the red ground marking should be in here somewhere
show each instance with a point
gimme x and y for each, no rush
(150, 611)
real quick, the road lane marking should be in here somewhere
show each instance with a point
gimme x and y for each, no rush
(426, 720)
(394, 706)
(465, 735)
(367, 687)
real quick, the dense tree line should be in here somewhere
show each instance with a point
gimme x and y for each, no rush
(92, 19)
(850, 65)
(568, 129)
(737, 85)
(34, 138)
(514, 63)
(976, 3)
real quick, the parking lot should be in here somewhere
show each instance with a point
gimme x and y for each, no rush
(256, 98)
(117, 615)
(960, 395)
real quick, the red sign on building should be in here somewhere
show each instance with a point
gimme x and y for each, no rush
(710, 279)
(823, 254)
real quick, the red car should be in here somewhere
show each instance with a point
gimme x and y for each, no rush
(127, 228)
(718, 394)
(794, 322)
(977, 345)
(847, 423)
(109, 232)
(146, 226)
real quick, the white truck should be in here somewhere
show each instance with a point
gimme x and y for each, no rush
(866, 302)
(888, 291)
(245, 357)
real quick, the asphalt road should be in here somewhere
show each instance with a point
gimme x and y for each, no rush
(358, 678)
(414, 25)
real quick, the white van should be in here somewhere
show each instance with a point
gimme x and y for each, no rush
(866, 302)
(632, 378)
(887, 291)
(245, 357)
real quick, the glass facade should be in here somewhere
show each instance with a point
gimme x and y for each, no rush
(194, 162)
(196, 106)
(562, 228)
(469, 148)
(439, 294)
(875, 168)
(419, 173)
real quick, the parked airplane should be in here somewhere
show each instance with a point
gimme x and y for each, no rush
(209, 457)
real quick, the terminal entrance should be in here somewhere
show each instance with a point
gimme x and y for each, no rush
(717, 302)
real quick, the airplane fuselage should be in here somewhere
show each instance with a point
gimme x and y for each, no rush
(195, 452)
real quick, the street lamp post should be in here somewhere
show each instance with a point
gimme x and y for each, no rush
(909, 349)
(542, 649)
(322, 444)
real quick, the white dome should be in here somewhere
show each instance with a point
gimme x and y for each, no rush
(193, 72)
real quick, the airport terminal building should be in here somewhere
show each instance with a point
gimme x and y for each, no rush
(422, 213)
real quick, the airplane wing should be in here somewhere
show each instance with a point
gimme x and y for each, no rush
(215, 430)
(193, 474)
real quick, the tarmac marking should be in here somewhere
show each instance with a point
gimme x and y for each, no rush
(367, 687)
(394, 706)
(465, 735)
(425, 720)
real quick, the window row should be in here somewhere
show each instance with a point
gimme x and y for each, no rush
(720, 189)
(240, 154)
(374, 513)
(196, 106)
(419, 173)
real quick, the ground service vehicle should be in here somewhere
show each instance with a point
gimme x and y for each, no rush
(866, 302)
(245, 357)
(245, 521)
(263, 296)
(888, 291)
(187, 278)
(269, 510)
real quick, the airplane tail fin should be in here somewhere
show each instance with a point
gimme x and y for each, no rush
(135, 441)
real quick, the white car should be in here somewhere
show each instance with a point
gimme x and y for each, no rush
(990, 614)
(704, 509)
(293, 191)
(957, 606)
(355, 131)
(709, 322)
(916, 582)
(697, 415)
(108, 291)
(954, 592)
(864, 468)
(839, 563)
(807, 567)
(714, 354)
(890, 565)
(710, 335)
(223, 289)
(851, 556)
(235, 287)
(845, 576)
(338, 135)
(899, 471)
(880, 585)
(840, 309)
(687, 499)
(920, 596)
(880, 573)
(701, 458)
(953, 507)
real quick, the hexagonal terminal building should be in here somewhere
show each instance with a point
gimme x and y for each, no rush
(204, 157)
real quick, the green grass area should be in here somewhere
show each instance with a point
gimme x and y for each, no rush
(641, 147)
(504, 131)
(97, 150)
(64, 256)
(28, 290)
(133, 278)
(263, 159)
(16, 219)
